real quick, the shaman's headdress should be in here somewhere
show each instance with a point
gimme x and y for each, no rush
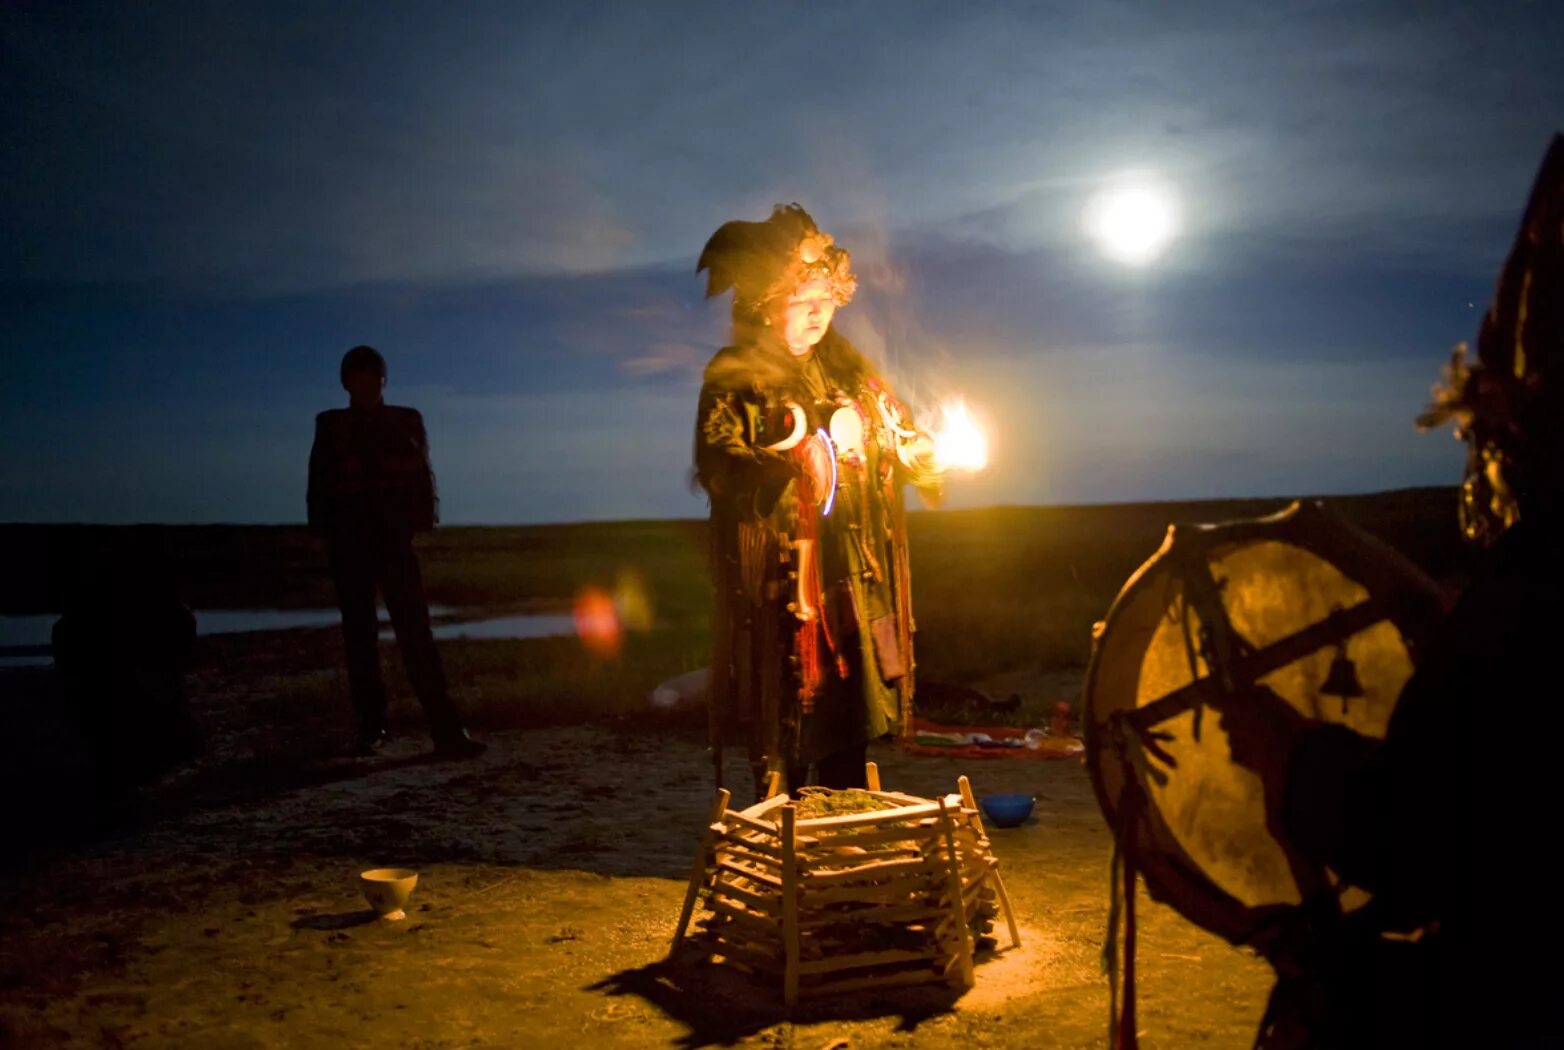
(764, 261)
(1509, 404)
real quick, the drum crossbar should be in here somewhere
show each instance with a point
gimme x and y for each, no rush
(1257, 663)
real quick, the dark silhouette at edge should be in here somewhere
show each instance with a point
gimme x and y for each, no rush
(371, 489)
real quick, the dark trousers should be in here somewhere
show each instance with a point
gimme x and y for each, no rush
(842, 769)
(361, 563)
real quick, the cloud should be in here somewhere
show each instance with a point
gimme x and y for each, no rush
(262, 150)
(567, 398)
(1342, 124)
(509, 200)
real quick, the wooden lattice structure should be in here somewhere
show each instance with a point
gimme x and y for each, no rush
(841, 903)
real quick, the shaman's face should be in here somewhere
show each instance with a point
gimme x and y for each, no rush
(806, 314)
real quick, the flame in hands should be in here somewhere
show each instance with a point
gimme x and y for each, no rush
(959, 444)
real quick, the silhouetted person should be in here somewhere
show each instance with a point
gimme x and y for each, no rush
(121, 650)
(1449, 819)
(371, 489)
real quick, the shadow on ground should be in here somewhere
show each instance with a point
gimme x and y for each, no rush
(686, 989)
(342, 920)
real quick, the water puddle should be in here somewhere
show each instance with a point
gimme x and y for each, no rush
(520, 625)
(24, 640)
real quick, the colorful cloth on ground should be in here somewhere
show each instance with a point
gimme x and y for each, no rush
(932, 738)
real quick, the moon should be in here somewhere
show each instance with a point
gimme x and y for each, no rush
(1133, 222)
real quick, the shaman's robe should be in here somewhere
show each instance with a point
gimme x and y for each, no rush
(804, 461)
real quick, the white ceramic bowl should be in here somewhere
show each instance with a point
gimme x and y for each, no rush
(387, 890)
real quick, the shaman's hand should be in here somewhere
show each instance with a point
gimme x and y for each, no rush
(1261, 730)
(919, 454)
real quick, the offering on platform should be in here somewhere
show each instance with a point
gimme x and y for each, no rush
(846, 890)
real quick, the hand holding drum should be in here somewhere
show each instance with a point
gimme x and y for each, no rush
(1261, 730)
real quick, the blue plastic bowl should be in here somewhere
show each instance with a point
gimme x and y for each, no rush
(1007, 811)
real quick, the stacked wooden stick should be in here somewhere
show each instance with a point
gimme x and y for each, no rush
(849, 902)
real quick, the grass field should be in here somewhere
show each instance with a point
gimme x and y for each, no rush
(1008, 592)
(220, 909)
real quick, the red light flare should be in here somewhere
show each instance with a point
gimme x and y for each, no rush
(597, 622)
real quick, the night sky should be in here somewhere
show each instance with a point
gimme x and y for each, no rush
(205, 205)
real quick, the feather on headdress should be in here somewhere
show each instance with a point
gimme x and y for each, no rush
(761, 261)
(1509, 403)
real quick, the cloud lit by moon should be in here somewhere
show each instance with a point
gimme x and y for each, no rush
(1169, 250)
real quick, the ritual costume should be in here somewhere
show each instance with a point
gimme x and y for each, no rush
(1447, 820)
(804, 458)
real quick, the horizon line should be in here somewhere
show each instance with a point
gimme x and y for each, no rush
(1361, 494)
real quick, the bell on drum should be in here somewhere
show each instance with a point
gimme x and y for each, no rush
(1301, 605)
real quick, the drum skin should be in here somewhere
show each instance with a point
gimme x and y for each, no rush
(1201, 839)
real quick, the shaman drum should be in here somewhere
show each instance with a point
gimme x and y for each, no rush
(1323, 614)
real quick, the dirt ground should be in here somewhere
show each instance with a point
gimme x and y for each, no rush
(551, 874)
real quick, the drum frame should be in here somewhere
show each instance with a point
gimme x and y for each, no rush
(1120, 753)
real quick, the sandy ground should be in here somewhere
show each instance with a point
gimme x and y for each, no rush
(552, 869)
(551, 874)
